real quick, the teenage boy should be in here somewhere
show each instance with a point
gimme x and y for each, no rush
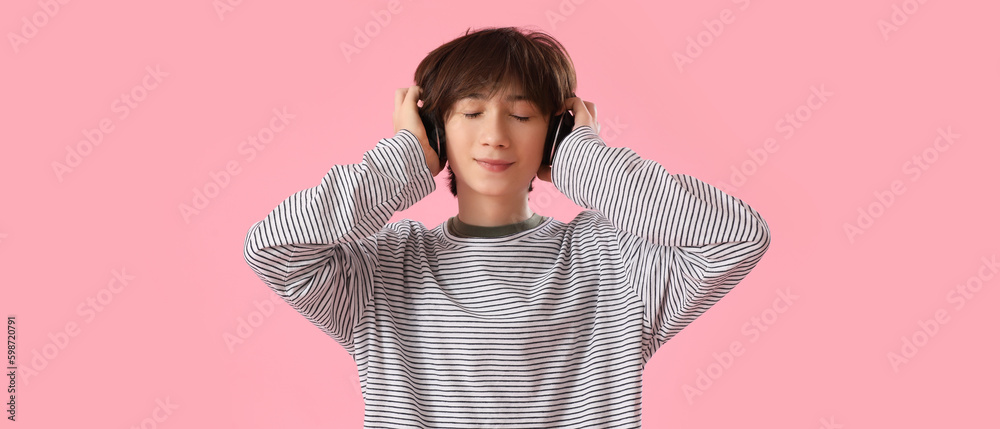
(501, 317)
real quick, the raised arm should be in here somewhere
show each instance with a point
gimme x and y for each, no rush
(684, 242)
(317, 249)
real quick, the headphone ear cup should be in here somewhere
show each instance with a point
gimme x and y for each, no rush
(442, 142)
(435, 135)
(559, 127)
(550, 140)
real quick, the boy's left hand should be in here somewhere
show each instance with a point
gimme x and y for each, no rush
(584, 113)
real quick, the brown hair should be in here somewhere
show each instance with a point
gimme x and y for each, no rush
(498, 58)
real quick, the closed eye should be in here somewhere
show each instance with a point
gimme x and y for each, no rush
(474, 115)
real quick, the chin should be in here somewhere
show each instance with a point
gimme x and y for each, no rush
(500, 189)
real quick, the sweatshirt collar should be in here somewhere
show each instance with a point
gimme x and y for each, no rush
(461, 229)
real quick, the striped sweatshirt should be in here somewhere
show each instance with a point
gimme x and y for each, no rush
(549, 327)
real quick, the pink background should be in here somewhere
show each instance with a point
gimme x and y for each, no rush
(154, 351)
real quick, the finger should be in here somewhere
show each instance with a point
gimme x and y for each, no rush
(582, 111)
(569, 103)
(592, 109)
(400, 95)
(564, 107)
(412, 94)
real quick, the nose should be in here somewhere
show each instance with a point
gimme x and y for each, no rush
(494, 131)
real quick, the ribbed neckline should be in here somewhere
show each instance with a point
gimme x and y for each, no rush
(463, 230)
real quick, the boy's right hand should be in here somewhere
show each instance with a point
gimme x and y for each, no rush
(406, 117)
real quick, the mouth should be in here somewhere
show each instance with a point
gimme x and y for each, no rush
(495, 166)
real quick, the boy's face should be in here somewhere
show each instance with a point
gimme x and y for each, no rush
(503, 128)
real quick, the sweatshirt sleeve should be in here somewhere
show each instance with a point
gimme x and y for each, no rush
(317, 249)
(684, 243)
